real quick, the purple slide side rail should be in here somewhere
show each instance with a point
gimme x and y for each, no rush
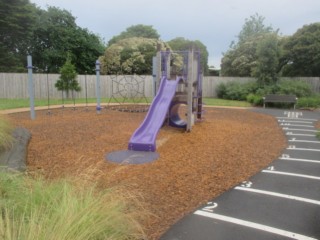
(144, 138)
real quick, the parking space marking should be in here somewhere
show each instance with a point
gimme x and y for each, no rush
(293, 147)
(294, 129)
(300, 134)
(293, 114)
(308, 119)
(293, 121)
(299, 160)
(275, 194)
(254, 225)
(296, 125)
(303, 141)
(291, 174)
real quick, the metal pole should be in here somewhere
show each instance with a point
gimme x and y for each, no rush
(30, 84)
(98, 108)
(154, 75)
(189, 90)
(159, 70)
(74, 100)
(62, 98)
(48, 92)
(85, 83)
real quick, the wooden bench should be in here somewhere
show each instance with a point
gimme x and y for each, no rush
(274, 98)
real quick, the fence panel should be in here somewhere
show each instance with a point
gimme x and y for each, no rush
(15, 85)
(210, 84)
(313, 81)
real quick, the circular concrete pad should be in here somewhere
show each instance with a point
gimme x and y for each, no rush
(132, 157)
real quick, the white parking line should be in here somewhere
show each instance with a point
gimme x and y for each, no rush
(300, 134)
(303, 149)
(294, 129)
(308, 119)
(296, 125)
(291, 174)
(303, 141)
(288, 121)
(254, 225)
(300, 160)
(301, 199)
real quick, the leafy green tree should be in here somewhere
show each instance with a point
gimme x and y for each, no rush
(268, 54)
(55, 34)
(241, 59)
(16, 27)
(140, 30)
(302, 52)
(67, 80)
(182, 44)
(130, 56)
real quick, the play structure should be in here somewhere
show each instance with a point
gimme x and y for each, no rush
(128, 94)
(179, 84)
(177, 102)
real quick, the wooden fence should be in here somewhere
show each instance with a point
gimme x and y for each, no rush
(15, 85)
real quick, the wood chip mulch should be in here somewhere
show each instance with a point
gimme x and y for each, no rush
(221, 151)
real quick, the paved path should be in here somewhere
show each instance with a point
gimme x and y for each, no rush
(280, 202)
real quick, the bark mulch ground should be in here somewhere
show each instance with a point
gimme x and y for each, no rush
(223, 150)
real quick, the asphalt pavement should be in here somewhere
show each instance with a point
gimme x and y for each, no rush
(282, 201)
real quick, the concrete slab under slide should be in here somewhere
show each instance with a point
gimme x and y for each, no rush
(14, 158)
(132, 157)
(280, 202)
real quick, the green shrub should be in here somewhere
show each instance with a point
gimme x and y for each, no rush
(253, 93)
(255, 99)
(37, 209)
(298, 88)
(267, 89)
(235, 90)
(221, 90)
(309, 102)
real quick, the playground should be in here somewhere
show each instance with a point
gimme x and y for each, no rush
(225, 148)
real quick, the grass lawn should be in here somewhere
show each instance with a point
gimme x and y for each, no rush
(224, 102)
(24, 103)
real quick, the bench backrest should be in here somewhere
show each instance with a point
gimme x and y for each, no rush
(280, 98)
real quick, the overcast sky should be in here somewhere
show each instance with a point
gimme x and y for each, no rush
(216, 23)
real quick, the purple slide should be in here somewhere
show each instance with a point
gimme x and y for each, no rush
(144, 138)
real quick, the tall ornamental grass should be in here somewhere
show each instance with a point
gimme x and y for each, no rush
(6, 129)
(41, 210)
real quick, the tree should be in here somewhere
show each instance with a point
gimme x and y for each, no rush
(140, 30)
(57, 33)
(130, 56)
(268, 53)
(302, 52)
(45, 34)
(16, 27)
(241, 59)
(67, 80)
(182, 44)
